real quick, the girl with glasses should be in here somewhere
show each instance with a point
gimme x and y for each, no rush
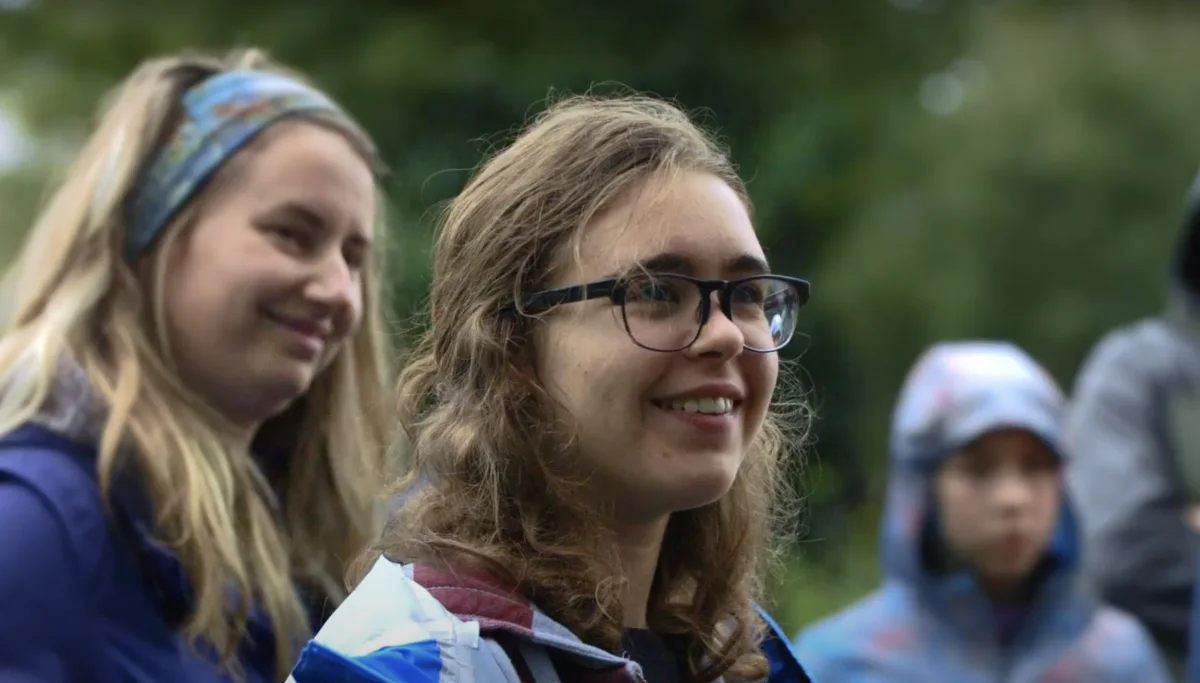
(597, 466)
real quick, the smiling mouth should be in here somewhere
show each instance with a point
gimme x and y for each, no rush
(308, 344)
(700, 406)
(298, 326)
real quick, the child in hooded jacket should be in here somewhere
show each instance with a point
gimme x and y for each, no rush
(979, 544)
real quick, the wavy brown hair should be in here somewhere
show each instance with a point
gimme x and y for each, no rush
(488, 486)
(76, 298)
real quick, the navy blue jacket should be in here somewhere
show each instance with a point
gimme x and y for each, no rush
(86, 597)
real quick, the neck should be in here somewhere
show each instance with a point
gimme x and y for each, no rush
(1004, 591)
(639, 546)
(240, 435)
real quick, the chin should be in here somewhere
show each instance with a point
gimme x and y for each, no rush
(1012, 570)
(700, 489)
(280, 390)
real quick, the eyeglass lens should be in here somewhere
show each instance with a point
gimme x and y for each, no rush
(662, 312)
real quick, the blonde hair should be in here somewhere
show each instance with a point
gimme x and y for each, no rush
(488, 485)
(77, 298)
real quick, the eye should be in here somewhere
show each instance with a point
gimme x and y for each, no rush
(979, 469)
(291, 236)
(1038, 460)
(974, 463)
(753, 293)
(648, 288)
(355, 256)
(356, 250)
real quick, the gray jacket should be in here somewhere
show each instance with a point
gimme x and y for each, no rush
(1133, 434)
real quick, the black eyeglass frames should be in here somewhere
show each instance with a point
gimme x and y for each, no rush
(666, 312)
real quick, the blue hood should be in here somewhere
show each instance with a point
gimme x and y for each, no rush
(956, 392)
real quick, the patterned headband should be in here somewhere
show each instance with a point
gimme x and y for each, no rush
(221, 115)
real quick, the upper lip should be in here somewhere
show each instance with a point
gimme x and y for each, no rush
(712, 390)
(309, 327)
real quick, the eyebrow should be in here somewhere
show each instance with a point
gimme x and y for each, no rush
(314, 218)
(672, 262)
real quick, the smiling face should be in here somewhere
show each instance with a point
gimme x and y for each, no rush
(263, 289)
(659, 432)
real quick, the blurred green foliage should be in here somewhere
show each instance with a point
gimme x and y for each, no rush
(958, 169)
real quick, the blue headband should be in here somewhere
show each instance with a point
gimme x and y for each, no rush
(221, 115)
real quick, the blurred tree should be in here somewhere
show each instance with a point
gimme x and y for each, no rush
(802, 92)
(1037, 200)
(1042, 210)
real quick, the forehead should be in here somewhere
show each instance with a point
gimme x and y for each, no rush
(695, 216)
(1009, 441)
(305, 163)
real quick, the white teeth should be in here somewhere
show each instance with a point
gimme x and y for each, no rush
(711, 406)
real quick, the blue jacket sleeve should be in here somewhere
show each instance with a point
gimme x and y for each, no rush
(45, 607)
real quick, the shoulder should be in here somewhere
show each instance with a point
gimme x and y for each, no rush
(394, 627)
(36, 464)
(48, 628)
(1145, 347)
(854, 636)
(1115, 641)
(48, 460)
(1110, 624)
(45, 557)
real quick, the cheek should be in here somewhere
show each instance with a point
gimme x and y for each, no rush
(958, 511)
(580, 362)
(762, 374)
(555, 363)
(210, 304)
(770, 372)
(201, 313)
(186, 301)
(346, 332)
(1050, 500)
(197, 344)
(354, 314)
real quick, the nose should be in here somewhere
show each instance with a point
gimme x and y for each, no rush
(335, 289)
(1012, 492)
(719, 336)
